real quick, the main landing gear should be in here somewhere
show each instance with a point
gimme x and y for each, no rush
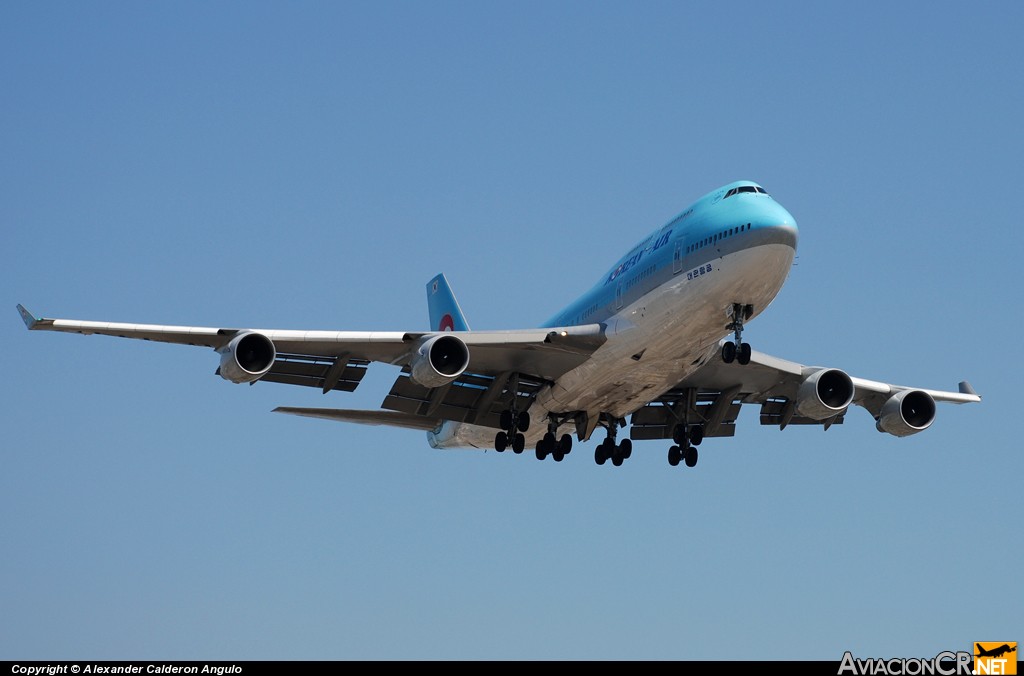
(511, 423)
(684, 436)
(738, 351)
(550, 444)
(608, 449)
(556, 448)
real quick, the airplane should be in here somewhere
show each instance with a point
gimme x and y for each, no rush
(656, 345)
(994, 652)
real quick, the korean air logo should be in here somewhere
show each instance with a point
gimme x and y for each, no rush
(447, 323)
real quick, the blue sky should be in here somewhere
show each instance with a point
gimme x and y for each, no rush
(312, 165)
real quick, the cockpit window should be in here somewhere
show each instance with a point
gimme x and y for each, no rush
(745, 188)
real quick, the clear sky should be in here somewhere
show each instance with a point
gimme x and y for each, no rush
(312, 165)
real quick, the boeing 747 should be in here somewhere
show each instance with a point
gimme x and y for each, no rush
(656, 346)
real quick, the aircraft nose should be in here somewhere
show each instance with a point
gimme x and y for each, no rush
(777, 226)
(780, 233)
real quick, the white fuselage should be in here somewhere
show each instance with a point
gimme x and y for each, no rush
(653, 343)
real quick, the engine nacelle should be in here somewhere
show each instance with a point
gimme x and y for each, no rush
(247, 357)
(824, 393)
(907, 412)
(439, 360)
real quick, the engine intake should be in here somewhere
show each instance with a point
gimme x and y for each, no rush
(824, 393)
(907, 412)
(439, 361)
(247, 358)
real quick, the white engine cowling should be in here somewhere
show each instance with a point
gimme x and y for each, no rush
(907, 412)
(439, 360)
(824, 393)
(247, 357)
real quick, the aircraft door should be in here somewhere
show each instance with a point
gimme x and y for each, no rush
(677, 257)
(618, 296)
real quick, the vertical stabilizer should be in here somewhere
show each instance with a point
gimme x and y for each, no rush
(445, 313)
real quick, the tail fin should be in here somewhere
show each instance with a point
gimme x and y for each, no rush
(445, 313)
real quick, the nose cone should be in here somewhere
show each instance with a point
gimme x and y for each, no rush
(769, 222)
(775, 225)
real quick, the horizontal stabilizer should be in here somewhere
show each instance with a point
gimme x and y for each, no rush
(389, 418)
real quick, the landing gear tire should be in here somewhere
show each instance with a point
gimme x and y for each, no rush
(674, 455)
(696, 434)
(743, 357)
(518, 443)
(546, 446)
(729, 352)
(608, 449)
(690, 456)
(557, 456)
(679, 434)
(523, 421)
(565, 444)
(505, 420)
(500, 441)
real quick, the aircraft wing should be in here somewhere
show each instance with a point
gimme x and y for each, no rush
(502, 364)
(788, 394)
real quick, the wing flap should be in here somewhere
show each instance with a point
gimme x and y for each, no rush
(782, 412)
(321, 372)
(716, 411)
(648, 432)
(472, 398)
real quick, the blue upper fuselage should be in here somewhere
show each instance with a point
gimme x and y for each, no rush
(732, 218)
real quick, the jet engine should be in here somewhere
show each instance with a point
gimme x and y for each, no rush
(439, 360)
(907, 412)
(824, 393)
(247, 358)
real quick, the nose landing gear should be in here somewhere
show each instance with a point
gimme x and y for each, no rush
(737, 351)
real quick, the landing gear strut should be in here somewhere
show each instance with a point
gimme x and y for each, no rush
(737, 351)
(608, 449)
